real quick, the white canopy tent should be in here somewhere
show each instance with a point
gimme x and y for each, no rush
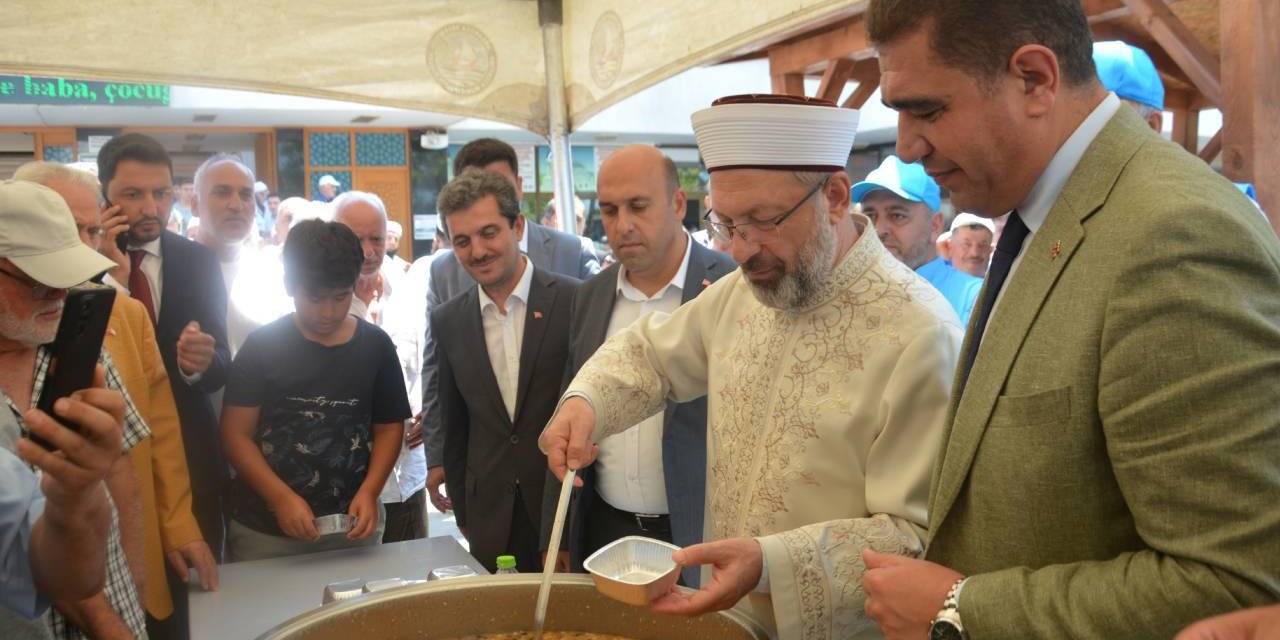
(542, 65)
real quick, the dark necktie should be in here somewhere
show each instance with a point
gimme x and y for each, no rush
(139, 287)
(1015, 233)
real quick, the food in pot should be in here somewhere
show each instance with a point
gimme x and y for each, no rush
(546, 635)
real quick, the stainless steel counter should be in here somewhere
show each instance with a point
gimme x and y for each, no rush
(256, 596)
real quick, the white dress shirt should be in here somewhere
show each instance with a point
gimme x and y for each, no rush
(629, 469)
(404, 318)
(504, 335)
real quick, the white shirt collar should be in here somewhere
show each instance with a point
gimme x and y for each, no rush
(152, 248)
(521, 292)
(1035, 208)
(630, 292)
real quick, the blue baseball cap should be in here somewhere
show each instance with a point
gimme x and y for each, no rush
(907, 181)
(1128, 71)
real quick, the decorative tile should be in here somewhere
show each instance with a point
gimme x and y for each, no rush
(329, 149)
(59, 154)
(380, 150)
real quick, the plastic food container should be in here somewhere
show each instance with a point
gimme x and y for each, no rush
(634, 569)
(451, 572)
(334, 524)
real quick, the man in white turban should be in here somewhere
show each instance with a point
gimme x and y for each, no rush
(826, 363)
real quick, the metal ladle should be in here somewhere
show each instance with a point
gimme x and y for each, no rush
(553, 549)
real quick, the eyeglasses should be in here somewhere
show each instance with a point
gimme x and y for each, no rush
(39, 291)
(758, 231)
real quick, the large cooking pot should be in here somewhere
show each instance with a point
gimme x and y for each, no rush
(490, 604)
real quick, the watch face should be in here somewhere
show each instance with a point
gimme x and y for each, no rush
(944, 630)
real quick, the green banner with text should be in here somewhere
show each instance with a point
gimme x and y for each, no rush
(39, 90)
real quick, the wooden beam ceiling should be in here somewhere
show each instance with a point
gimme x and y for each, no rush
(1200, 65)
(811, 52)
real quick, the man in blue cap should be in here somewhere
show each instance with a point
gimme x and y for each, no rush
(1130, 73)
(902, 201)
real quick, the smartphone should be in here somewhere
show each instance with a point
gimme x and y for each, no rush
(122, 239)
(76, 348)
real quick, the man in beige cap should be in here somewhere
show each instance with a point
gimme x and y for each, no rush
(41, 256)
(826, 364)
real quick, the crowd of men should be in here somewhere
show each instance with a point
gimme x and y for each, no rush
(1050, 417)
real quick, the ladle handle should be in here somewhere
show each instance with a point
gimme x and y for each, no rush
(553, 549)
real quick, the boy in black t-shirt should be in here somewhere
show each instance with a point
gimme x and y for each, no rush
(314, 409)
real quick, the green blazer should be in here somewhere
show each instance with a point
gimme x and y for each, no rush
(1113, 468)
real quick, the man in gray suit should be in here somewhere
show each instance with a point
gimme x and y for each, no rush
(548, 249)
(651, 480)
(502, 351)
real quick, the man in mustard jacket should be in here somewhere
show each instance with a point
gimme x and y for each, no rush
(159, 461)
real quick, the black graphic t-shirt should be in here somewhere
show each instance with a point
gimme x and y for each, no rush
(317, 407)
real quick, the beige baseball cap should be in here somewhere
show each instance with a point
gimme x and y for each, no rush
(38, 235)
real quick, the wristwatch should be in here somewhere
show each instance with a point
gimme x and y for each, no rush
(946, 625)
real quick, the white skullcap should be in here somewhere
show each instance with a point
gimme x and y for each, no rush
(394, 228)
(970, 220)
(763, 131)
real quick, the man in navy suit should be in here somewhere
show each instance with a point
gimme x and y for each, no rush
(650, 480)
(548, 249)
(180, 283)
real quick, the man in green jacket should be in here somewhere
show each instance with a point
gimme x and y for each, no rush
(1112, 467)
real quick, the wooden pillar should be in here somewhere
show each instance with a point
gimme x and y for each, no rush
(1186, 128)
(791, 84)
(834, 79)
(867, 74)
(1251, 98)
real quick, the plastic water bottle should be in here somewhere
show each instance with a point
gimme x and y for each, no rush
(507, 564)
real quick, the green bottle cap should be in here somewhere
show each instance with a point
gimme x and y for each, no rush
(506, 562)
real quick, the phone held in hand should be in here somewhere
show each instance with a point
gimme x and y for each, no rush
(76, 348)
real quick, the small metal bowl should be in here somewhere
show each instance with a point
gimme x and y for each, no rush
(634, 569)
(334, 524)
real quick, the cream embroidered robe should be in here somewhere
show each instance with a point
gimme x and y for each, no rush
(823, 423)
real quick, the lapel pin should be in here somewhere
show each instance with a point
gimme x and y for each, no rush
(706, 282)
(537, 315)
(1056, 250)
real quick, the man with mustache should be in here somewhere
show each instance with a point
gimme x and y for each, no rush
(224, 204)
(826, 364)
(501, 347)
(1113, 448)
(902, 202)
(549, 249)
(972, 241)
(181, 285)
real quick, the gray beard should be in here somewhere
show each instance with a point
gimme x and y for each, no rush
(814, 263)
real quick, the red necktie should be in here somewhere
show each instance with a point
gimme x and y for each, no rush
(139, 287)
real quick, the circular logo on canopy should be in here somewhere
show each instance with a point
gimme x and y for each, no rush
(606, 49)
(462, 59)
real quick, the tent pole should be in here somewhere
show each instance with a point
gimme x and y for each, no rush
(551, 17)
